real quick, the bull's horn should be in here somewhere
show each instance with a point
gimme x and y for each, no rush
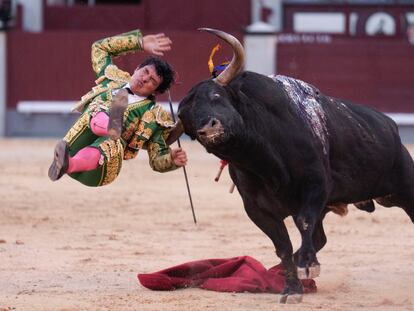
(175, 133)
(237, 63)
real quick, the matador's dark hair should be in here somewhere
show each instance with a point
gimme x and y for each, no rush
(163, 69)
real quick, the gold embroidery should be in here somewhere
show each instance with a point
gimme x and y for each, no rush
(96, 90)
(103, 50)
(97, 53)
(137, 105)
(140, 128)
(115, 84)
(110, 148)
(147, 133)
(134, 106)
(98, 57)
(166, 133)
(88, 96)
(148, 117)
(118, 43)
(162, 117)
(112, 72)
(100, 80)
(98, 105)
(153, 149)
(76, 130)
(140, 143)
(136, 144)
(114, 152)
(130, 154)
(129, 131)
(160, 163)
(112, 170)
(101, 159)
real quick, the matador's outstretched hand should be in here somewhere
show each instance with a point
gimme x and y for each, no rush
(156, 44)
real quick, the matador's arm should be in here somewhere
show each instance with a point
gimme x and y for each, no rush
(105, 49)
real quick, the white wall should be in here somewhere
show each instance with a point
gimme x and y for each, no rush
(275, 19)
(261, 53)
(32, 15)
(331, 22)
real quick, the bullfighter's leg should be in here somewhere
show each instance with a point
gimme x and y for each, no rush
(276, 230)
(306, 221)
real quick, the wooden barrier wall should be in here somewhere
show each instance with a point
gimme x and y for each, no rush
(375, 71)
(157, 15)
(56, 65)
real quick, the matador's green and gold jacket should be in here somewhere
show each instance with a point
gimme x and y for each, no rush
(146, 124)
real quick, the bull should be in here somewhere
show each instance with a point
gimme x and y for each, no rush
(294, 151)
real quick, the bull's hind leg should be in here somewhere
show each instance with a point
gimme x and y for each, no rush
(402, 194)
(319, 241)
(406, 202)
(408, 183)
(308, 266)
(307, 220)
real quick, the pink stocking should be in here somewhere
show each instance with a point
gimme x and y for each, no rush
(86, 159)
(99, 124)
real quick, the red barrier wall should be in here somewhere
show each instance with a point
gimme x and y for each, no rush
(374, 71)
(100, 17)
(156, 15)
(371, 71)
(56, 65)
(230, 16)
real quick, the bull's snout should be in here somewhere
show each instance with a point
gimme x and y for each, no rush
(212, 132)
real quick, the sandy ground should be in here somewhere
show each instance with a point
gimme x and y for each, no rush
(64, 246)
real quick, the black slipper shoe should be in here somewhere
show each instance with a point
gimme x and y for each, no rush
(60, 162)
(116, 114)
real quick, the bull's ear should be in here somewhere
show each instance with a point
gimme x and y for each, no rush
(175, 133)
(235, 89)
(247, 84)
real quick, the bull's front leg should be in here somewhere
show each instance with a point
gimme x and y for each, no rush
(293, 290)
(261, 209)
(276, 230)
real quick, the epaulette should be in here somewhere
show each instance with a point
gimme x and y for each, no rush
(113, 73)
(162, 117)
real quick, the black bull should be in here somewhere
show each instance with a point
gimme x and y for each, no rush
(293, 151)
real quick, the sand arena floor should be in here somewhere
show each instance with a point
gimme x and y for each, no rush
(67, 247)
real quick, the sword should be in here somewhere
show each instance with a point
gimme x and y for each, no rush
(184, 170)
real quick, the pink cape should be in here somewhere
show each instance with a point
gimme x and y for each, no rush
(238, 274)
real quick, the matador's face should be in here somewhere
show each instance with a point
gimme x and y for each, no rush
(145, 81)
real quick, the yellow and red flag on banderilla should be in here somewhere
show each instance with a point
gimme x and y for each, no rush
(214, 70)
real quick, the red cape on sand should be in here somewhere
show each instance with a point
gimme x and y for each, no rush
(238, 274)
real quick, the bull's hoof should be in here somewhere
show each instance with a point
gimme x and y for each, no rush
(309, 272)
(292, 293)
(290, 299)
